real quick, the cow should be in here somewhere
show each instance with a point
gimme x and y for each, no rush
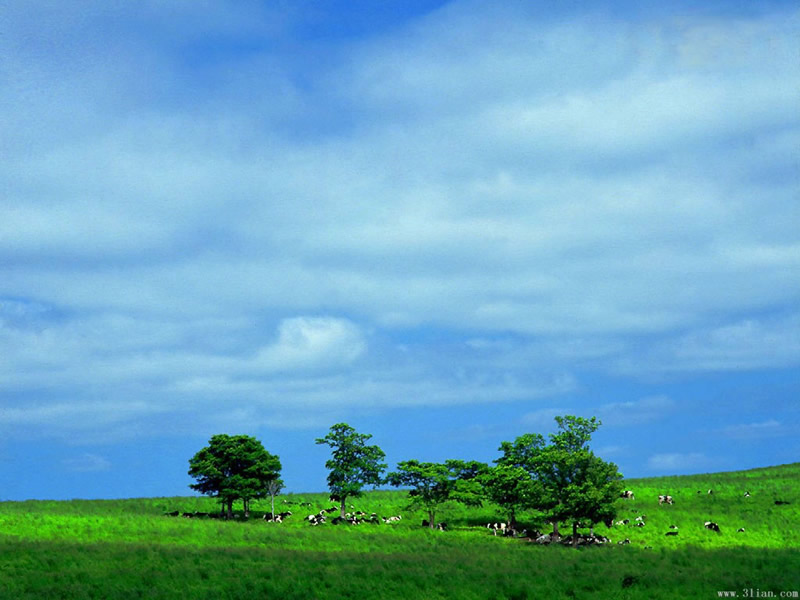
(747, 494)
(671, 533)
(665, 499)
(673, 526)
(495, 527)
(740, 530)
(627, 494)
(710, 491)
(317, 519)
(623, 542)
(710, 525)
(623, 522)
(174, 513)
(392, 519)
(442, 526)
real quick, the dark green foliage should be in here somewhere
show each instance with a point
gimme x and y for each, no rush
(566, 481)
(433, 484)
(353, 463)
(512, 488)
(233, 467)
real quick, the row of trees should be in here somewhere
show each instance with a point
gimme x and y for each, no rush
(559, 478)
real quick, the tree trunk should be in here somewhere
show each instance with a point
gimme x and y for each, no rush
(574, 534)
(343, 507)
(512, 519)
(432, 518)
(555, 529)
(272, 496)
(246, 502)
(229, 502)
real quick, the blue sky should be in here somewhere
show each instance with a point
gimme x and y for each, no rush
(440, 222)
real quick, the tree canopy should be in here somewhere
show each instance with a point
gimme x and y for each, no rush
(353, 463)
(433, 484)
(566, 481)
(233, 467)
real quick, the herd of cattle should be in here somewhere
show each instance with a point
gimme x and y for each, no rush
(497, 528)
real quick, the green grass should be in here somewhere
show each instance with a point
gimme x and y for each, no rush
(129, 549)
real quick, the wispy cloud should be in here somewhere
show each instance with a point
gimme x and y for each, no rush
(770, 429)
(86, 463)
(677, 462)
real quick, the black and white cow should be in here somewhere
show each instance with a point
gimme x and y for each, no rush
(627, 494)
(710, 525)
(665, 499)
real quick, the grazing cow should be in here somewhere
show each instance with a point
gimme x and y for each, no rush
(780, 502)
(710, 525)
(188, 515)
(442, 526)
(673, 526)
(740, 530)
(710, 492)
(640, 518)
(671, 533)
(639, 524)
(174, 513)
(665, 499)
(627, 494)
(623, 542)
(747, 494)
(623, 522)
(495, 527)
(392, 519)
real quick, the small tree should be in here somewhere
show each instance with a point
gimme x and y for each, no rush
(274, 487)
(353, 463)
(233, 467)
(512, 488)
(433, 484)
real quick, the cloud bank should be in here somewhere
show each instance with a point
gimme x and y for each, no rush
(476, 206)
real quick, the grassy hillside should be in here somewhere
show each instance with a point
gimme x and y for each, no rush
(130, 549)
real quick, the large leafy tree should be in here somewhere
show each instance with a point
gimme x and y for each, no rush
(353, 463)
(233, 467)
(578, 485)
(433, 484)
(566, 481)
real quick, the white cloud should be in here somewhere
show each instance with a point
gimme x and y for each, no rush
(312, 342)
(748, 344)
(552, 197)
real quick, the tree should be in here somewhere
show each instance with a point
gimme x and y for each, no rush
(578, 486)
(274, 487)
(567, 482)
(433, 484)
(512, 488)
(233, 467)
(353, 463)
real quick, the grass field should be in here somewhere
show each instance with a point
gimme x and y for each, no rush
(130, 549)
